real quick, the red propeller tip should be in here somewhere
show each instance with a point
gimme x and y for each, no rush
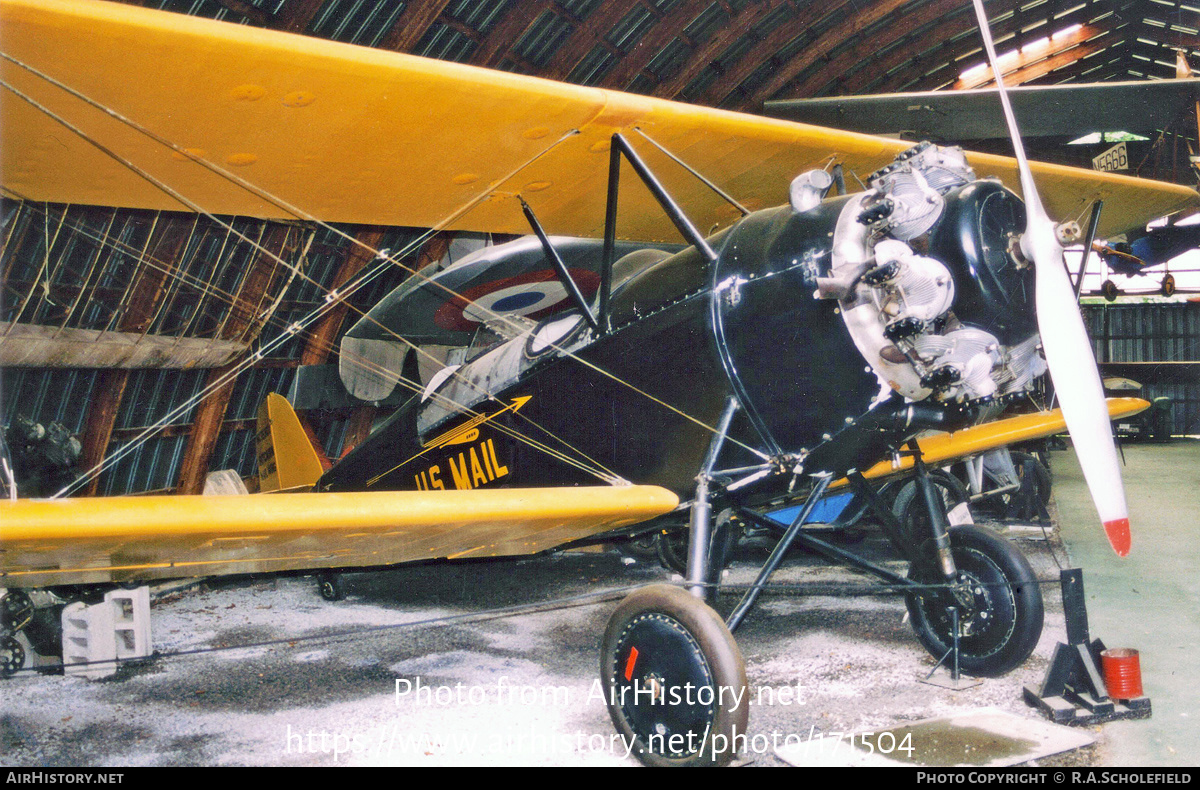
(1118, 535)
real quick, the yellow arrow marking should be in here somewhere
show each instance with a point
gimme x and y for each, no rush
(457, 435)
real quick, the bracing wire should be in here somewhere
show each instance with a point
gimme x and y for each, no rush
(587, 464)
(292, 330)
(299, 213)
(518, 610)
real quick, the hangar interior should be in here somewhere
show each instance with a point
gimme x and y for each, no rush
(124, 333)
(170, 277)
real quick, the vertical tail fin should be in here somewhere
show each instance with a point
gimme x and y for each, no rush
(286, 456)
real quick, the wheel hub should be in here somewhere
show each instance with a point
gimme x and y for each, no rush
(664, 685)
(974, 604)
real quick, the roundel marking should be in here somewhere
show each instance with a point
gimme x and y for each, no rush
(534, 295)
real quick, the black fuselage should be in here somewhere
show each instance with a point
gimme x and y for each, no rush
(687, 334)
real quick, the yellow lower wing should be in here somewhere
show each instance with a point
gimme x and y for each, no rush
(114, 539)
(942, 448)
(350, 134)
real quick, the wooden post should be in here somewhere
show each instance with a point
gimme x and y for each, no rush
(164, 246)
(244, 314)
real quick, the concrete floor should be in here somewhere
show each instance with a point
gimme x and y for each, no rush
(1149, 600)
(274, 686)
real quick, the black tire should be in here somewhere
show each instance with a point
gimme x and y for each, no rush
(672, 545)
(16, 610)
(1004, 505)
(909, 508)
(12, 656)
(1004, 623)
(331, 586)
(679, 640)
(1041, 475)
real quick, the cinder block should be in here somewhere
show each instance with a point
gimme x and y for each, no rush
(95, 636)
(131, 621)
(89, 647)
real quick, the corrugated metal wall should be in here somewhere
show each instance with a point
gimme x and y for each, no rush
(1152, 333)
(66, 395)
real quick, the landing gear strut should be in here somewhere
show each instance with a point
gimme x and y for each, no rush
(972, 598)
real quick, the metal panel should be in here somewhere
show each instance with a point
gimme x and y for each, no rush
(1152, 332)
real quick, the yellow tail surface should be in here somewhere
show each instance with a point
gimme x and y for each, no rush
(286, 457)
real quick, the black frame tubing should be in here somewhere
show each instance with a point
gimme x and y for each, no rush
(699, 567)
(619, 147)
(560, 268)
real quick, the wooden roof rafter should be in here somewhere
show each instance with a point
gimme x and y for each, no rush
(957, 39)
(822, 49)
(954, 16)
(668, 28)
(412, 24)
(296, 15)
(963, 49)
(589, 35)
(944, 29)
(741, 24)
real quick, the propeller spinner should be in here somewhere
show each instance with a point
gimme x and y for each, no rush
(1064, 340)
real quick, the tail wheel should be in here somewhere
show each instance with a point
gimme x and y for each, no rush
(331, 586)
(675, 679)
(999, 614)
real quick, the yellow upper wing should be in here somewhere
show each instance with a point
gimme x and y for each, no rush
(348, 134)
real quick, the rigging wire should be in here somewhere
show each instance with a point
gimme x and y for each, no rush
(293, 329)
(811, 590)
(300, 214)
(588, 464)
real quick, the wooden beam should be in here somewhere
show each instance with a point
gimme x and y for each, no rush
(297, 15)
(1110, 65)
(40, 346)
(885, 75)
(958, 53)
(244, 322)
(820, 49)
(102, 417)
(323, 334)
(508, 31)
(585, 37)
(666, 30)
(1064, 50)
(251, 12)
(1077, 49)
(737, 27)
(166, 242)
(246, 316)
(205, 430)
(953, 46)
(412, 24)
(949, 17)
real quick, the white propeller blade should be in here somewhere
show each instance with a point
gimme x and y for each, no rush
(1065, 341)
